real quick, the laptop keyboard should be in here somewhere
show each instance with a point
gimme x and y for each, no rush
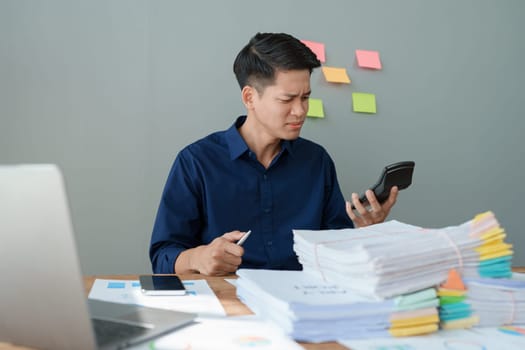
(110, 331)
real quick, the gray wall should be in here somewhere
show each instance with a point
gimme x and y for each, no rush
(112, 90)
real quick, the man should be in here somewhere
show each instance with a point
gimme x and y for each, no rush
(258, 175)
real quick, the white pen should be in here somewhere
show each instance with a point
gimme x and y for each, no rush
(243, 238)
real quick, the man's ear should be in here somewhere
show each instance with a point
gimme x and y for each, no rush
(248, 95)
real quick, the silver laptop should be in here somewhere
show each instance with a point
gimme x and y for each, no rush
(42, 300)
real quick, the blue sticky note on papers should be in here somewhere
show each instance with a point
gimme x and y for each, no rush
(117, 285)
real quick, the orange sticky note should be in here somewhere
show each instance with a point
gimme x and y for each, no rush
(368, 59)
(317, 48)
(453, 281)
(336, 75)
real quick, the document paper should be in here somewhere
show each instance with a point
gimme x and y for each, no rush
(199, 297)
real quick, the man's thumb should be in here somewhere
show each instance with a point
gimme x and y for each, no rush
(233, 236)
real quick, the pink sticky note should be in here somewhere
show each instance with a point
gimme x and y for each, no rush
(317, 48)
(368, 59)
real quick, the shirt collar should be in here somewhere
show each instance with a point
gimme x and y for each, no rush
(238, 146)
(234, 140)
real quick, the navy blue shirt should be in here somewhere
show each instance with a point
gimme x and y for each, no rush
(216, 185)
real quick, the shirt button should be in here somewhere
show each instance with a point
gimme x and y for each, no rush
(267, 210)
(265, 177)
(269, 243)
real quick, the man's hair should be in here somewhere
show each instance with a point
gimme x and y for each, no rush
(266, 53)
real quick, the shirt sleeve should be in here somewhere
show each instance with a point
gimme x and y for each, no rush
(334, 215)
(179, 218)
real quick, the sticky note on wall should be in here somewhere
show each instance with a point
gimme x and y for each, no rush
(368, 59)
(317, 48)
(336, 75)
(315, 108)
(363, 102)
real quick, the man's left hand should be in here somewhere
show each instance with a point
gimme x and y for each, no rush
(374, 212)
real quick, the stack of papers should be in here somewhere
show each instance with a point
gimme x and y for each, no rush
(497, 302)
(454, 312)
(309, 309)
(393, 258)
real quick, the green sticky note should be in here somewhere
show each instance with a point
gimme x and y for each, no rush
(363, 102)
(419, 305)
(315, 108)
(416, 297)
(450, 300)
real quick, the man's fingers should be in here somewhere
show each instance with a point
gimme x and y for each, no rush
(372, 200)
(363, 218)
(220, 262)
(392, 198)
(375, 212)
(222, 246)
(350, 211)
(359, 207)
(234, 250)
(233, 236)
(222, 256)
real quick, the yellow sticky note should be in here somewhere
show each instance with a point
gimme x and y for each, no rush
(443, 292)
(317, 48)
(414, 330)
(414, 321)
(336, 75)
(363, 102)
(315, 108)
(461, 323)
(368, 59)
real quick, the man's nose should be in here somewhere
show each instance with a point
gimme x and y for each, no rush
(299, 108)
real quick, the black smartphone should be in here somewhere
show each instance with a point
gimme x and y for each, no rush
(397, 174)
(161, 285)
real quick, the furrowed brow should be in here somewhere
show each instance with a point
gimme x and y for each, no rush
(295, 95)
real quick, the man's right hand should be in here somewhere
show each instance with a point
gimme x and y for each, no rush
(221, 257)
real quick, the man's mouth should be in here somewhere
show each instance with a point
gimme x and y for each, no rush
(296, 124)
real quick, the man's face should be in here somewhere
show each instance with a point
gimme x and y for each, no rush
(280, 109)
